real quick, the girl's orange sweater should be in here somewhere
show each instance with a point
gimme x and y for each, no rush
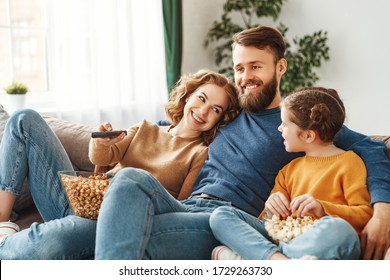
(338, 182)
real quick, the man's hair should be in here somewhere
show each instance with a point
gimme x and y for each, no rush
(262, 37)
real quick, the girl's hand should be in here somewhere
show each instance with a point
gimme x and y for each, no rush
(306, 203)
(106, 126)
(278, 204)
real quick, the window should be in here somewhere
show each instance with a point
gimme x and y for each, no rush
(23, 36)
(86, 61)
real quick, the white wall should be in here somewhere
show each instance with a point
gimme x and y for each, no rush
(359, 66)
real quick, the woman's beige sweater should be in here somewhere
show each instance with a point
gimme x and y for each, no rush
(174, 161)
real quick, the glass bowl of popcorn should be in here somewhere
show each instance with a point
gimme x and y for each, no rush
(85, 191)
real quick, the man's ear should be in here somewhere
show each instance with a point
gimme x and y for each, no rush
(281, 66)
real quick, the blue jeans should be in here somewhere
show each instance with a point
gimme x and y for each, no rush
(29, 149)
(139, 219)
(329, 238)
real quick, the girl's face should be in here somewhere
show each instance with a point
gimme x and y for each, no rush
(205, 107)
(291, 133)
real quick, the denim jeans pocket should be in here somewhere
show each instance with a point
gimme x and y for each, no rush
(194, 205)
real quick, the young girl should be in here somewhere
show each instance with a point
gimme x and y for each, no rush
(327, 183)
(199, 105)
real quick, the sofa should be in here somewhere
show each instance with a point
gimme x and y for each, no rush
(75, 139)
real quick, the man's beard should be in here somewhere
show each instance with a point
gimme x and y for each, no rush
(256, 102)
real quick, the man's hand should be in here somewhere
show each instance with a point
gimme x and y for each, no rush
(375, 239)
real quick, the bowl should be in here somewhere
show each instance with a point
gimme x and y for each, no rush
(85, 191)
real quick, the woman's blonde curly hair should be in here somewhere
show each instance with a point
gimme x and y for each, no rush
(189, 84)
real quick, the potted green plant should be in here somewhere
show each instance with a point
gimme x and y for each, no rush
(16, 92)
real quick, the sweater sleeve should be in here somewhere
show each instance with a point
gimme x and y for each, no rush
(279, 186)
(357, 210)
(280, 183)
(373, 153)
(193, 173)
(105, 155)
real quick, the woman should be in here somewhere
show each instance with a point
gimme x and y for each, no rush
(198, 106)
(173, 154)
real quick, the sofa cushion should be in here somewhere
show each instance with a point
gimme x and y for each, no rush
(75, 139)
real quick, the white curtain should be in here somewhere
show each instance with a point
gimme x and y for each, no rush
(108, 60)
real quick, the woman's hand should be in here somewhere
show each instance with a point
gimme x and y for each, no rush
(306, 203)
(278, 204)
(106, 126)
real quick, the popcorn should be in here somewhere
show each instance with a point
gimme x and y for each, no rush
(285, 230)
(85, 194)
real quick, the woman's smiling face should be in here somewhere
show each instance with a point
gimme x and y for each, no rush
(205, 107)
